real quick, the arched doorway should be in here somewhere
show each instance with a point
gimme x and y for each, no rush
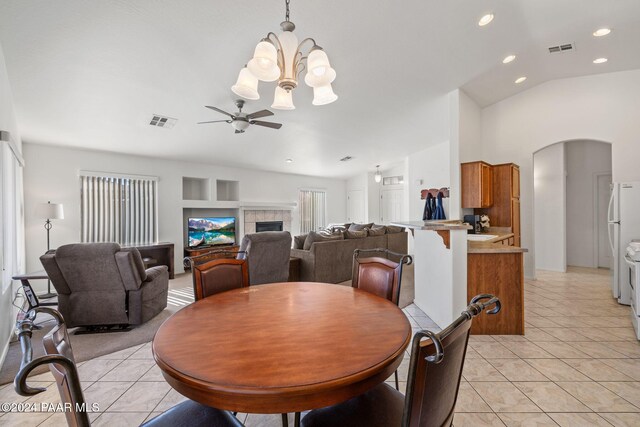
(571, 193)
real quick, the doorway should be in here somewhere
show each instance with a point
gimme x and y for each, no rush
(391, 205)
(571, 195)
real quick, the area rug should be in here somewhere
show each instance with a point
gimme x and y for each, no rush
(89, 346)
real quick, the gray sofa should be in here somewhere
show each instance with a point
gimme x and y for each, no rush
(331, 261)
(102, 284)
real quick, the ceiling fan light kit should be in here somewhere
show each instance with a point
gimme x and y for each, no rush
(280, 57)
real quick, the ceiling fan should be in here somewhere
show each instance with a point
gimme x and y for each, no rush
(241, 121)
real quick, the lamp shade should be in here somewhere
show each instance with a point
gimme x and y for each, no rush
(318, 61)
(50, 211)
(264, 64)
(247, 85)
(289, 43)
(283, 100)
(323, 95)
(377, 177)
(313, 80)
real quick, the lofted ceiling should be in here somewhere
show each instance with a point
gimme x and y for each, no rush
(91, 74)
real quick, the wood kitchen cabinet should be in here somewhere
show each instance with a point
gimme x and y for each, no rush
(477, 185)
(505, 211)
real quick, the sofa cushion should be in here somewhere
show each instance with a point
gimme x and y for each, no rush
(392, 229)
(360, 234)
(298, 241)
(314, 236)
(359, 227)
(377, 230)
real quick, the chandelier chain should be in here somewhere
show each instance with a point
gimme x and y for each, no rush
(286, 18)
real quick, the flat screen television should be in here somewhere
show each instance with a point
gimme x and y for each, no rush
(211, 231)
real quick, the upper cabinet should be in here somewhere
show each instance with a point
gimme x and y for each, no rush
(505, 211)
(477, 185)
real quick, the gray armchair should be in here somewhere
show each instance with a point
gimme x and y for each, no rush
(268, 253)
(102, 284)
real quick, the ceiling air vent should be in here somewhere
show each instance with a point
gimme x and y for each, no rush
(346, 158)
(162, 121)
(561, 48)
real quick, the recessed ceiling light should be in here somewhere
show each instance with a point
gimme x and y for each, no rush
(600, 60)
(508, 59)
(601, 32)
(288, 160)
(520, 79)
(485, 19)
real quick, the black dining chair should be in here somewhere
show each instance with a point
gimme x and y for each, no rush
(432, 388)
(379, 276)
(59, 357)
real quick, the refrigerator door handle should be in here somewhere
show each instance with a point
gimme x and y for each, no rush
(613, 251)
(609, 209)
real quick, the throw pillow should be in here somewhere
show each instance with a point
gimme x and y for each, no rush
(392, 229)
(360, 234)
(377, 230)
(358, 227)
(298, 241)
(313, 237)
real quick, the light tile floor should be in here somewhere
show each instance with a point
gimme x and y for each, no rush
(577, 365)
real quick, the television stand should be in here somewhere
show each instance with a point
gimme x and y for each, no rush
(201, 250)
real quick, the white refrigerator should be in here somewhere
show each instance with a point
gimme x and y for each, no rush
(624, 226)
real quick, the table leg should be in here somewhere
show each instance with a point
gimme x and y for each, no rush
(296, 420)
(285, 420)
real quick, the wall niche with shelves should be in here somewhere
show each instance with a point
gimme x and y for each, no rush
(227, 191)
(195, 188)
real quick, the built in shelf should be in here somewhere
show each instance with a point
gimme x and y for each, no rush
(227, 191)
(195, 188)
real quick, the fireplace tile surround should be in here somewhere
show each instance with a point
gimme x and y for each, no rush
(253, 216)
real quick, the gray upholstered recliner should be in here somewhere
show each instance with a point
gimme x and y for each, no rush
(102, 284)
(268, 253)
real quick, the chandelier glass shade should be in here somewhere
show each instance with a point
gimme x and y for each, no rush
(377, 177)
(282, 58)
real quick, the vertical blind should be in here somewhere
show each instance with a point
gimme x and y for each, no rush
(119, 209)
(312, 210)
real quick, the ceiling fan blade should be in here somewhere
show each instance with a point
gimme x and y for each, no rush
(266, 124)
(215, 121)
(220, 111)
(258, 114)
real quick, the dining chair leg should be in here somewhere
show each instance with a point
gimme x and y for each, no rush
(296, 420)
(285, 420)
(397, 383)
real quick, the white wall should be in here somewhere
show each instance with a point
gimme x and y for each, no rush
(549, 186)
(432, 167)
(584, 159)
(602, 107)
(11, 238)
(51, 173)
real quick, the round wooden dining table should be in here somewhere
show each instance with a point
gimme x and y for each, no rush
(281, 347)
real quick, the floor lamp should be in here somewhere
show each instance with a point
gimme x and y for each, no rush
(49, 211)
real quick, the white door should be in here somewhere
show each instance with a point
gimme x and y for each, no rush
(605, 256)
(355, 206)
(391, 203)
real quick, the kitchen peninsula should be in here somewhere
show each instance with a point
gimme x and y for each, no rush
(450, 270)
(440, 268)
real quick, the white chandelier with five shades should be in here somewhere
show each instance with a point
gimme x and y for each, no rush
(280, 58)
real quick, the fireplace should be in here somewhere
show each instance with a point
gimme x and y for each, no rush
(268, 226)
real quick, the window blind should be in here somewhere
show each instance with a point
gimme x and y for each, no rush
(312, 204)
(119, 209)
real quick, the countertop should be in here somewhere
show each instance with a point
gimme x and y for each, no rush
(490, 246)
(436, 225)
